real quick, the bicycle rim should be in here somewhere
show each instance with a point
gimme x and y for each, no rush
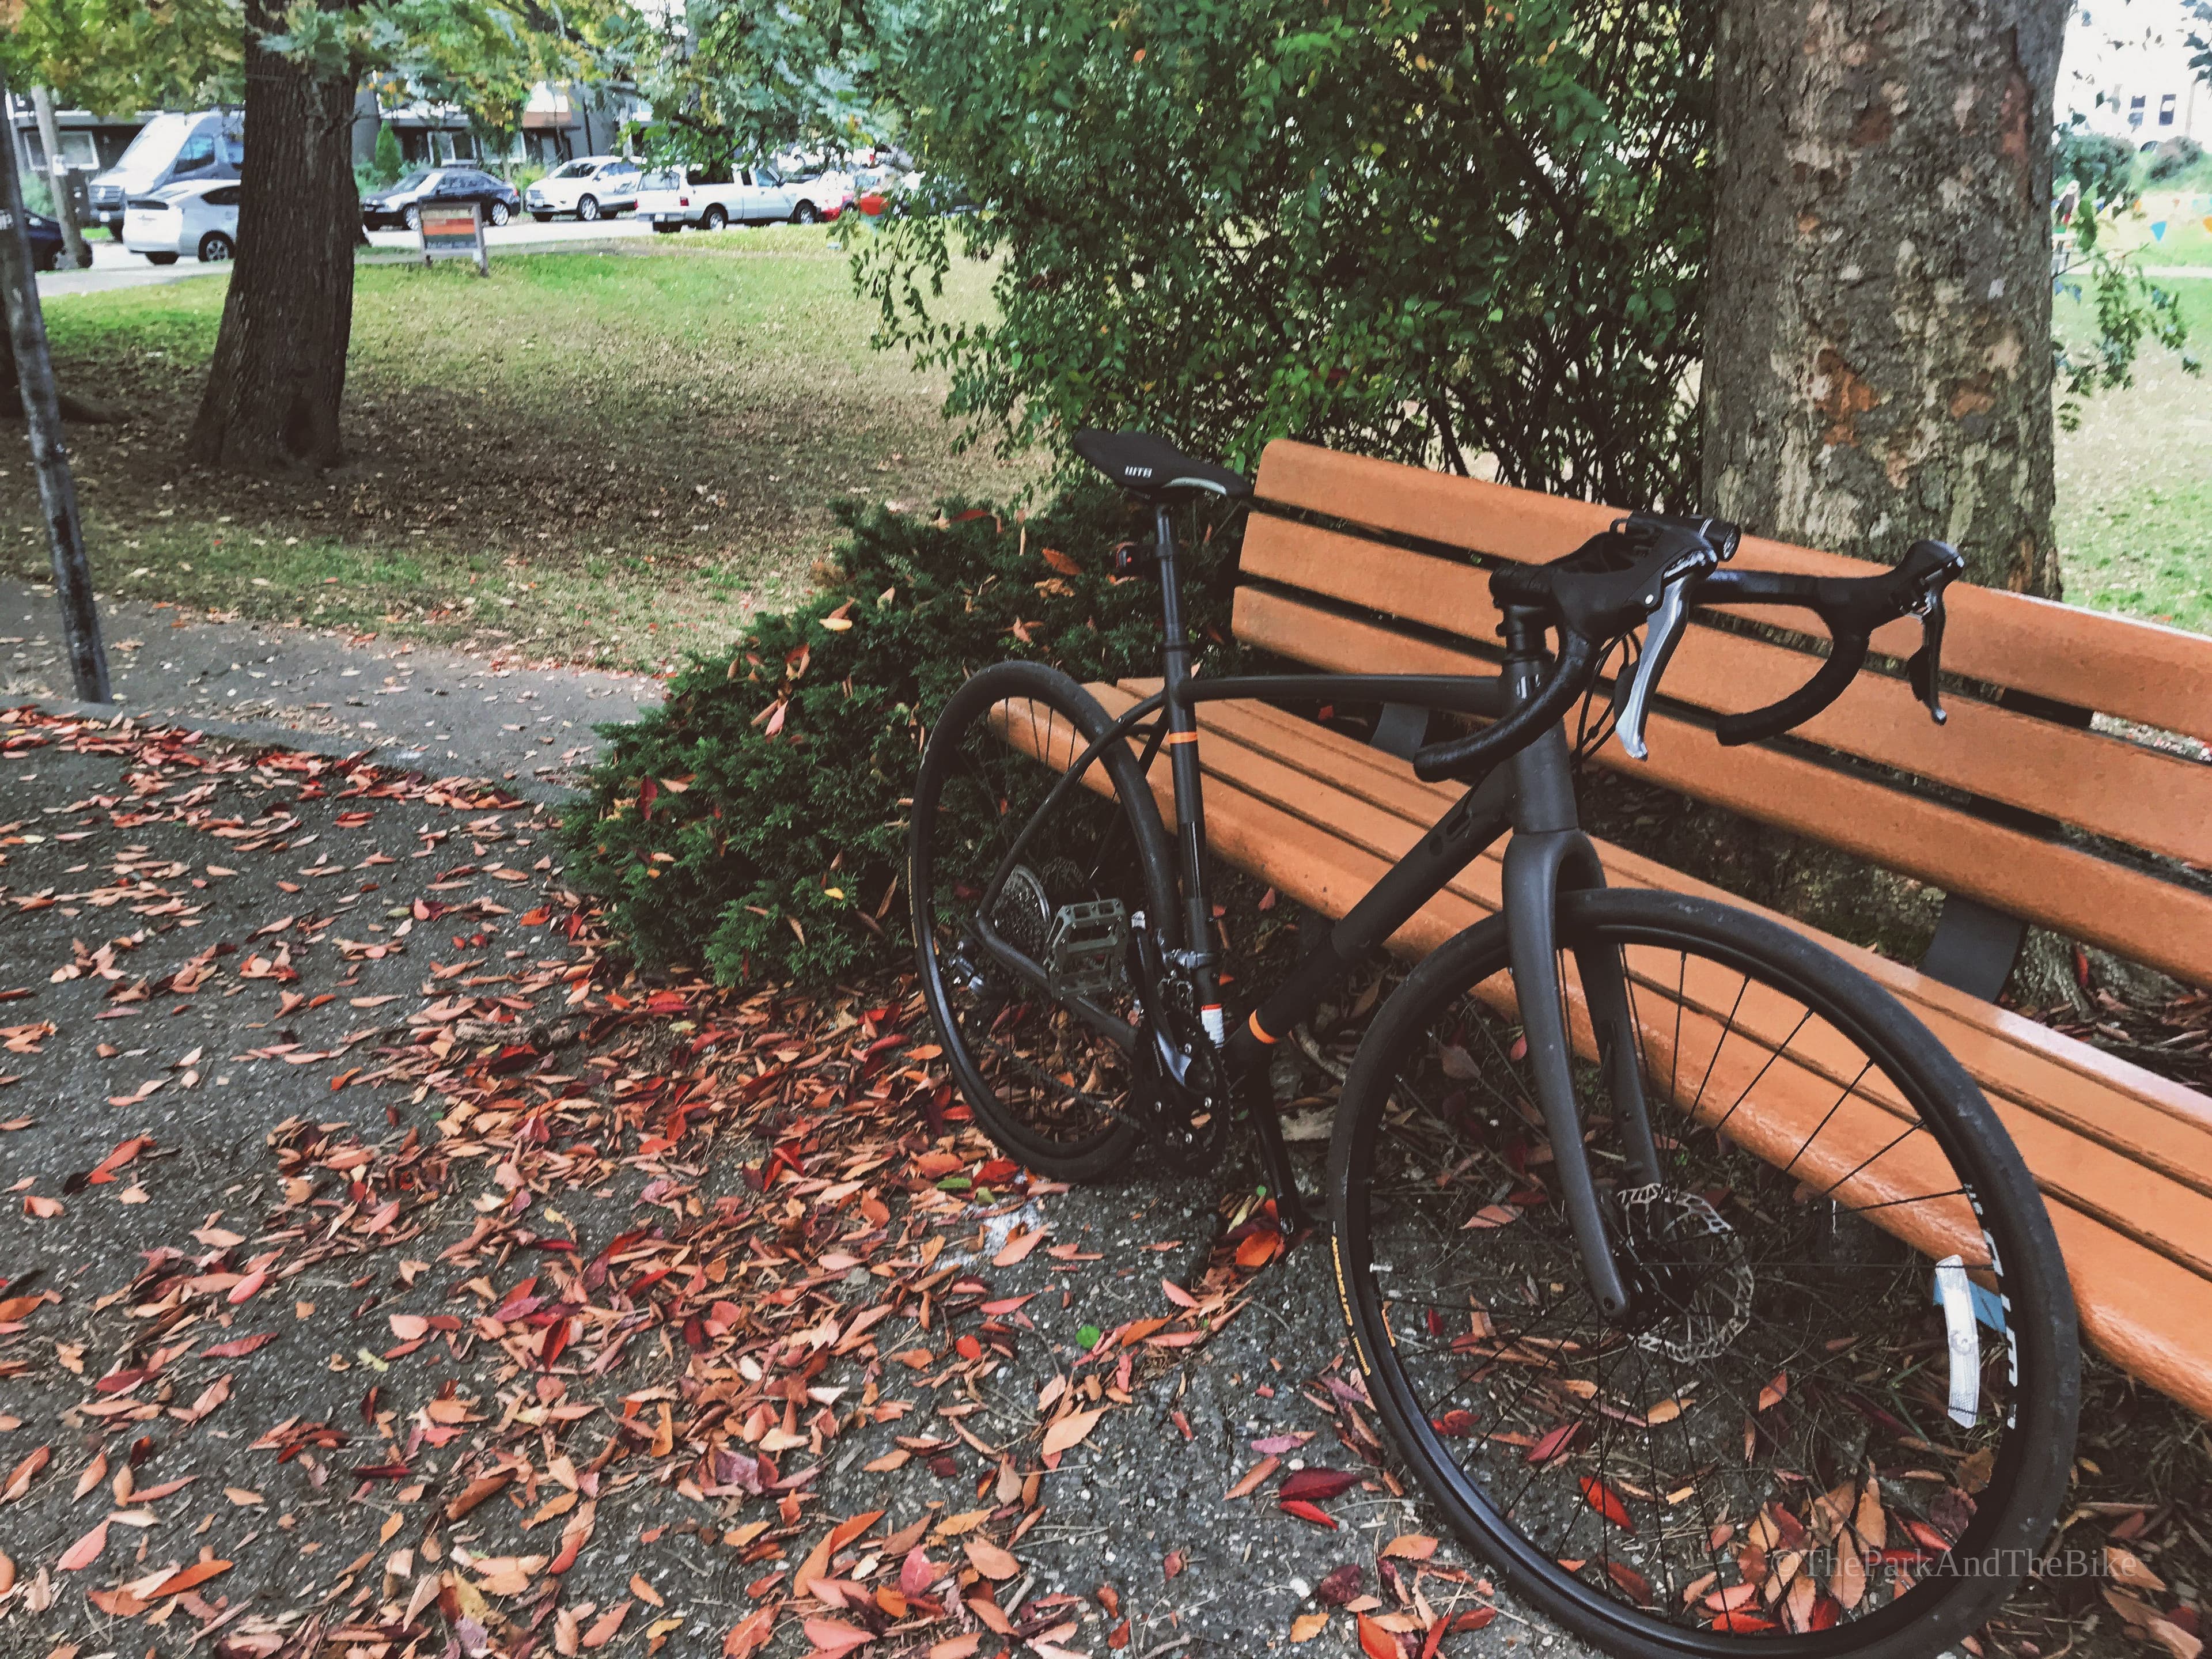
(1049, 1087)
(1778, 1452)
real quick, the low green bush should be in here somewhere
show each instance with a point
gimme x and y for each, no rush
(755, 822)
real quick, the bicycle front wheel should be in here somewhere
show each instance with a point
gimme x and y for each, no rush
(1049, 1086)
(1806, 1437)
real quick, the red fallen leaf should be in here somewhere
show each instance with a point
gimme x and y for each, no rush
(121, 1382)
(969, 1347)
(1928, 1535)
(1306, 1512)
(1177, 1560)
(1318, 1486)
(1375, 1642)
(1258, 1250)
(1558, 1442)
(1340, 1586)
(1473, 1619)
(917, 1572)
(86, 1550)
(1606, 1501)
(1634, 1583)
(1454, 1423)
(831, 1636)
(1176, 1294)
(604, 1628)
(751, 1634)
(104, 1171)
(248, 1287)
(1743, 1624)
(238, 1347)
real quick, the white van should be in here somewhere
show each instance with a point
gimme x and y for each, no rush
(171, 149)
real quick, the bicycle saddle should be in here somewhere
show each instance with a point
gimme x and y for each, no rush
(1155, 469)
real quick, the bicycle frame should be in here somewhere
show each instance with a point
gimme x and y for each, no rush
(1532, 797)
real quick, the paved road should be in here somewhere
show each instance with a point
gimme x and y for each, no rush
(416, 706)
(114, 266)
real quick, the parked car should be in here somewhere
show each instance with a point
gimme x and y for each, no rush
(672, 197)
(589, 189)
(200, 218)
(44, 235)
(171, 148)
(402, 205)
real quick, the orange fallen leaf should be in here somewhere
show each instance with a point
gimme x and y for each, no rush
(185, 1578)
(1071, 1430)
(1774, 1392)
(1410, 1547)
(750, 1634)
(1307, 1626)
(604, 1626)
(1018, 1247)
(1258, 1250)
(645, 1592)
(989, 1559)
(45, 1209)
(409, 1327)
(957, 1647)
(1253, 1477)
(1375, 1642)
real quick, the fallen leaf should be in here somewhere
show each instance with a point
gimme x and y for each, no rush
(1375, 1642)
(1410, 1547)
(1018, 1247)
(1606, 1501)
(2128, 1568)
(750, 1634)
(831, 1637)
(989, 1559)
(187, 1578)
(1307, 1626)
(86, 1550)
(1070, 1431)
(957, 1647)
(604, 1627)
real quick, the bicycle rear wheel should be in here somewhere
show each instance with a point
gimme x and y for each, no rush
(1050, 1088)
(1780, 1450)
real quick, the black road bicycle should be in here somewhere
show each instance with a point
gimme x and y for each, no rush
(1698, 1284)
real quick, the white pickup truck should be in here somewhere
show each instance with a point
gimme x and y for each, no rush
(672, 197)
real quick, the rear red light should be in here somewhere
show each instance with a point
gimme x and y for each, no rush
(683, 201)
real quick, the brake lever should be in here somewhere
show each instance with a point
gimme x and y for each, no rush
(1631, 692)
(1928, 567)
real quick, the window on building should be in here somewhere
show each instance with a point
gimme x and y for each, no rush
(2165, 111)
(2135, 111)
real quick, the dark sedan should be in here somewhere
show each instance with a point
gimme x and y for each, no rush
(402, 205)
(46, 238)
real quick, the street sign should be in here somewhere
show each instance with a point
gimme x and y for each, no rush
(454, 230)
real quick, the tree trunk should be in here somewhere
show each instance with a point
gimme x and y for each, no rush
(1878, 314)
(274, 388)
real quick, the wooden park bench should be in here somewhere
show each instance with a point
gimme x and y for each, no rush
(2019, 811)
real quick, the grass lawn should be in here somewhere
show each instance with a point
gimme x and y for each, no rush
(2135, 485)
(604, 457)
(612, 458)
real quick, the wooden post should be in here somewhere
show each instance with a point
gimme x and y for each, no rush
(42, 414)
(50, 135)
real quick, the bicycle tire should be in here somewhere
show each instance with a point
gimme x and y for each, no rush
(1542, 1545)
(968, 762)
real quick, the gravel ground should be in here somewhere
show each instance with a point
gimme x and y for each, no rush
(227, 991)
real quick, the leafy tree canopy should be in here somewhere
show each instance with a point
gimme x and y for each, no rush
(730, 80)
(129, 54)
(1418, 230)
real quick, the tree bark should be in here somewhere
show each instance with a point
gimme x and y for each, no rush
(1878, 312)
(278, 374)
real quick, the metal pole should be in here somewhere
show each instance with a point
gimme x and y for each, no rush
(50, 135)
(42, 413)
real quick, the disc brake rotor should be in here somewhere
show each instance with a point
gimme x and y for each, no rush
(1690, 1282)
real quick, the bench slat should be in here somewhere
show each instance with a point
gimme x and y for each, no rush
(2153, 921)
(2140, 671)
(2139, 1306)
(2146, 1204)
(2147, 1118)
(2149, 798)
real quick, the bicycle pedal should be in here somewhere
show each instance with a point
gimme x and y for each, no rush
(1086, 948)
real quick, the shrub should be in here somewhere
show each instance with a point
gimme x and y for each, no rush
(389, 162)
(2176, 156)
(757, 821)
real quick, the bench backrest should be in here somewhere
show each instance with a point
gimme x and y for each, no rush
(1353, 564)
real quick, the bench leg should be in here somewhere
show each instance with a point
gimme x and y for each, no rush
(1974, 948)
